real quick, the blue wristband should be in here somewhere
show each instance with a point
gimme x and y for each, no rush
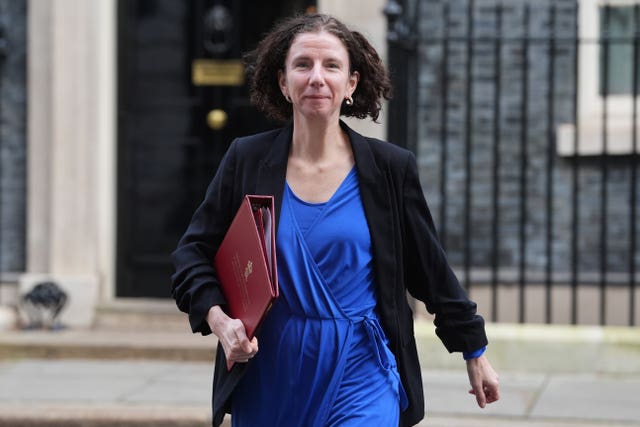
(467, 355)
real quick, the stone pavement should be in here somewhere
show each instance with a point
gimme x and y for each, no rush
(74, 392)
(550, 377)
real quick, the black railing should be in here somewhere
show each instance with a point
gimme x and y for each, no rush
(514, 211)
(402, 40)
(3, 53)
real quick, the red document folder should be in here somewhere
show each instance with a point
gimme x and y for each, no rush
(246, 262)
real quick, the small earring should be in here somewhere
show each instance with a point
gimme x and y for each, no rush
(348, 100)
(288, 98)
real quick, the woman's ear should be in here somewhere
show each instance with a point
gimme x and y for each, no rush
(354, 78)
(282, 82)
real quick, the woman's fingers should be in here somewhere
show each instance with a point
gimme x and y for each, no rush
(237, 346)
(484, 381)
(232, 336)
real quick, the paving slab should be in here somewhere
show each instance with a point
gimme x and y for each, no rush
(98, 393)
(447, 392)
(594, 397)
(103, 415)
(88, 381)
(461, 421)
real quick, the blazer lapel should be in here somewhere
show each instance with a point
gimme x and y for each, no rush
(378, 198)
(273, 169)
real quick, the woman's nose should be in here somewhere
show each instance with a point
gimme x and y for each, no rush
(317, 77)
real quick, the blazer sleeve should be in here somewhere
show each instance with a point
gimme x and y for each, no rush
(430, 278)
(195, 285)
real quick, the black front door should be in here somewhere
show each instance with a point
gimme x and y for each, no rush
(181, 101)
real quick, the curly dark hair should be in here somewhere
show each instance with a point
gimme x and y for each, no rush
(263, 63)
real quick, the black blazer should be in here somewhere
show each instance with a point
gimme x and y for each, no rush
(406, 250)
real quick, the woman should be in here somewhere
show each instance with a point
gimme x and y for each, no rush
(354, 233)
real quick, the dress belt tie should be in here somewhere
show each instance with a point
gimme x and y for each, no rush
(373, 328)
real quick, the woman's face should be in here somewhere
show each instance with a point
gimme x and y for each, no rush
(316, 76)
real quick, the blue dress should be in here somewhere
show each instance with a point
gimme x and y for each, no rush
(323, 358)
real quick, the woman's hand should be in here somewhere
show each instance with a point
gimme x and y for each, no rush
(484, 381)
(232, 336)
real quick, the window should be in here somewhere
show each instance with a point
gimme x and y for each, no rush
(617, 63)
(606, 63)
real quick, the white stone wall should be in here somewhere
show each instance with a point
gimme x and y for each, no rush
(71, 150)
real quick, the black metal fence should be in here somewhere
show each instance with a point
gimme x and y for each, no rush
(3, 52)
(521, 197)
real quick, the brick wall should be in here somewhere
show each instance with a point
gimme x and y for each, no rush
(13, 153)
(540, 98)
